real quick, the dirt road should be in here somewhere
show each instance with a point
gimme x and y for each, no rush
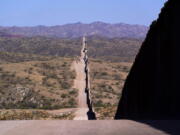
(80, 84)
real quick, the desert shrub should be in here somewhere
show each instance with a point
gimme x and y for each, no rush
(51, 75)
(103, 73)
(25, 105)
(125, 69)
(64, 64)
(117, 83)
(47, 66)
(117, 77)
(98, 96)
(109, 87)
(71, 102)
(98, 103)
(106, 114)
(44, 80)
(30, 70)
(64, 95)
(65, 85)
(102, 85)
(73, 92)
(72, 75)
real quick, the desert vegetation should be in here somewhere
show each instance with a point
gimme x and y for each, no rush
(35, 72)
(30, 114)
(107, 80)
(109, 49)
(39, 84)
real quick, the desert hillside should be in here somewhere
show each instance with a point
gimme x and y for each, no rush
(36, 82)
(116, 49)
(37, 75)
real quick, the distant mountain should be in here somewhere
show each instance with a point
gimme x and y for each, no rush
(5, 34)
(79, 29)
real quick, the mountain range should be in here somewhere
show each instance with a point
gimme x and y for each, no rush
(75, 30)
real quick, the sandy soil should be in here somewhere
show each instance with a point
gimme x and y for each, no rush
(79, 83)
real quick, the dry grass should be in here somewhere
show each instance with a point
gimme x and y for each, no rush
(107, 80)
(50, 83)
(32, 114)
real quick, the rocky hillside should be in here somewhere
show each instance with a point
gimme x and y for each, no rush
(79, 29)
(152, 88)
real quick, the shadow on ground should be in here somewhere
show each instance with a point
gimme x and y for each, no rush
(91, 115)
(171, 127)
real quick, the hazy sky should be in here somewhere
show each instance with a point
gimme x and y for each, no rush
(56, 12)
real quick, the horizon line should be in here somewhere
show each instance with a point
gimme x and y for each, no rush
(78, 22)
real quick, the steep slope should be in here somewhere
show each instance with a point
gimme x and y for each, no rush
(79, 29)
(152, 88)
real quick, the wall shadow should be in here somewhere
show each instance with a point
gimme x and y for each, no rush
(91, 115)
(171, 127)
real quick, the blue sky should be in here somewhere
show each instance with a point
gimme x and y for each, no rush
(57, 12)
